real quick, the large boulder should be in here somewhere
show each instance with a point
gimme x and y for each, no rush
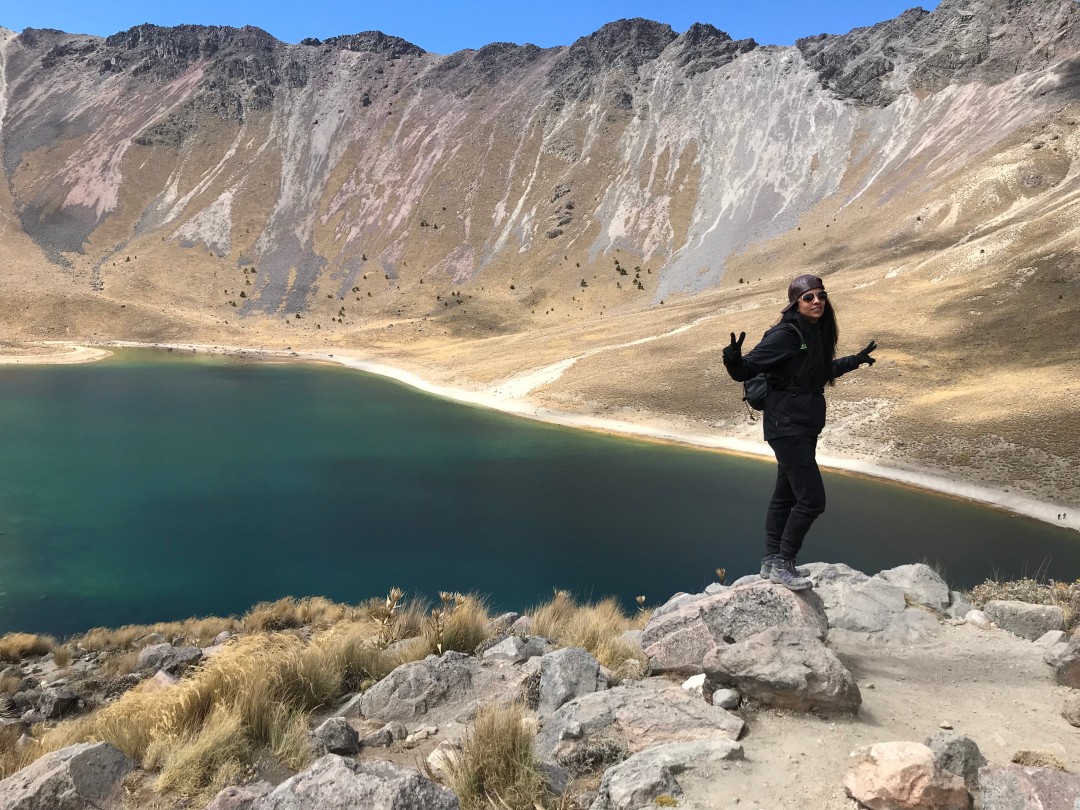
(1070, 709)
(1023, 619)
(639, 780)
(678, 640)
(57, 703)
(566, 674)
(920, 583)
(412, 690)
(606, 726)
(786, 669)
(903, 776)
(79, 777)
(335, 783)
(167, 658)
(875, 608)
(1018, 787)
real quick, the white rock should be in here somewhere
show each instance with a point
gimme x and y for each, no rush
(978, 618)
(695, 684)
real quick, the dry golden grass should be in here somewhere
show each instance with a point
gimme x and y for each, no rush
(460, 623)
(14, 647)
(62, 657)
(9, 684)
(195, 631)
(199, 763)
(120, 664)
(496, 768)
(598, 628)
(290, 613)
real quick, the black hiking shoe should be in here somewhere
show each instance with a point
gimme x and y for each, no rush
(769, 560)
(784, 573)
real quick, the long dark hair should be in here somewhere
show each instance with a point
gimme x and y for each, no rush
(821, 340)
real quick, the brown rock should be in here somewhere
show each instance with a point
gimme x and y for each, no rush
(903, 776)
(678, 641)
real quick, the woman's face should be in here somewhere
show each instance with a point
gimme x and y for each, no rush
(812, 310)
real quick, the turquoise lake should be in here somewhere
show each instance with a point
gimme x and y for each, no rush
(156, 486)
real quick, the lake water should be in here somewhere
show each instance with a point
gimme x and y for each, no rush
(157, 486)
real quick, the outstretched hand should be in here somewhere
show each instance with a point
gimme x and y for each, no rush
(864, 355)
(733, 351)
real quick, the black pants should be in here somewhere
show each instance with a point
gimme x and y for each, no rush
(799, 496)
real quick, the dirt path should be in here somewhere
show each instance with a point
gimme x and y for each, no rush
(989, 685)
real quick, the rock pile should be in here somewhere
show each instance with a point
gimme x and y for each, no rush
(717, 660)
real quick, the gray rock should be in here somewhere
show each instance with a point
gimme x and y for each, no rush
(678, 641)
(334, 783)
(676, 602)
(1051, 638)
(58, 703)
(634, 638)
(503, 623)
(1018, 787)
(536, 646)
(336, 736)
(639, 780)
(785, 668)
(220, 639)
(958, 754)
(902, 775)
(556, 776)
(511, 648)
(522, 626)
(714, 587)
(566, 674)
(412, 690)
(854, 601)
(920, 584)
(1071, 708)
(959, 605)
(385, 736)
(1024, 620)
(629, 718)
(726, 698)
(173, 660)
(79, 777)
(239, 798)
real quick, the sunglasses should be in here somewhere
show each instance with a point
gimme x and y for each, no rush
(810, 296)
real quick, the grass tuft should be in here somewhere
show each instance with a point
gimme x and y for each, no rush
(598, 628)
(14, 647)
(496, 768)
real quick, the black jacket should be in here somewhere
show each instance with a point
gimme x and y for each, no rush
(792, 408)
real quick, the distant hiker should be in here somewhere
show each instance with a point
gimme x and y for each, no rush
(797, 369)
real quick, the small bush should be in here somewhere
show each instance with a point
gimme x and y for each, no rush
(197, 765)
(290, 613)
(14, 647)
(62, 657)
(496, 767)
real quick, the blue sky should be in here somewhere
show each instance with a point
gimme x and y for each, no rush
(445, 27)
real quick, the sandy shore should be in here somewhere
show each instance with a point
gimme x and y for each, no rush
(511, 396)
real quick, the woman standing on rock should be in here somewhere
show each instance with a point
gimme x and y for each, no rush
(798, 358)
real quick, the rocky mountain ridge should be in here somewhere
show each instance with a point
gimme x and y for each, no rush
(513, 207)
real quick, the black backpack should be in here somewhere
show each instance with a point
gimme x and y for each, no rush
(756, 389)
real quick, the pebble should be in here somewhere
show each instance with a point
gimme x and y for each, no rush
(945, 724)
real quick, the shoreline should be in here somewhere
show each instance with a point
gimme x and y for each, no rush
(510, 397)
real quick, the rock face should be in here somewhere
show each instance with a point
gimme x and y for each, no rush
(639, 780)
(606, 726)
(167, 658)
(1024, 620)
(333, 783)
(1026, 788)
(957, 754)
(80, 777)
(566, 674)
(678, 640)
(903, 776)
(413, 690)
(787, 669)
